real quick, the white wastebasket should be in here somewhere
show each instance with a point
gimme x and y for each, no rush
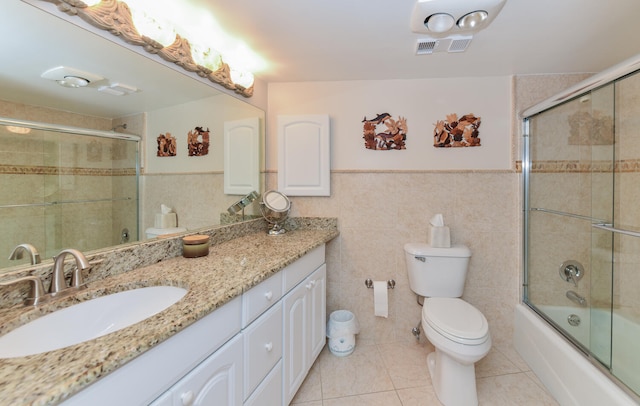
(341, 330)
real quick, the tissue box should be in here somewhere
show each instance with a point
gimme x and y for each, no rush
(166, 220)
(440, 237)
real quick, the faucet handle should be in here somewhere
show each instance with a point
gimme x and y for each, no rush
(37, 293)
(77, 279)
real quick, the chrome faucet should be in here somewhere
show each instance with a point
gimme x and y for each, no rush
(19, 250)
(58, 282)
(573, 296)
(36, 294)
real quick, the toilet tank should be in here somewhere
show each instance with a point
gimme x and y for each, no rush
(437, 272)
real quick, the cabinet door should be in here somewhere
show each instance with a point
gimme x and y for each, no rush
(304, 155)
(216, 381)
(269, 392)
(317, 283)
(295, 350)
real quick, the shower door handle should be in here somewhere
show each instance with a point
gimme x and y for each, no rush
(609, 227)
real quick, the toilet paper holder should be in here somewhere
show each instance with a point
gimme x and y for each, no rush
(390, 283)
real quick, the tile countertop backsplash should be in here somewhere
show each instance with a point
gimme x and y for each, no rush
(241, 256)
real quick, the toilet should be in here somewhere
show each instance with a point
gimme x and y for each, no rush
(458, 331)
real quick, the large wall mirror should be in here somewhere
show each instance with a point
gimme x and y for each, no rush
(164, 102)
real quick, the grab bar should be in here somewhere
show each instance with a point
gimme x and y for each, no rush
(608, 227)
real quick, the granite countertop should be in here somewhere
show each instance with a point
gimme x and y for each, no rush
(232, 267)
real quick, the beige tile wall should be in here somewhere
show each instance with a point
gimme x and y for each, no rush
(379, 212)
(82, 226)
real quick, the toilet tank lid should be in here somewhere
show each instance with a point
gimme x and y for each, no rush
(422, 249)
(164, 231)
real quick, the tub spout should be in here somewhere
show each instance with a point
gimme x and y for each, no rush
(574, 297)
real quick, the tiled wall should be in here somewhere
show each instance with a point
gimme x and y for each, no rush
(56, 167)
(379, 211)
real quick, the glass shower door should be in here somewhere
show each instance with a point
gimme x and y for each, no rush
(625, 352)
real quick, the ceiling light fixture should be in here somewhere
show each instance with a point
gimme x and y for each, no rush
(440, 22)
(140, 23)
(440, 18)
(73, 82)
(71, 77)
(473, 20)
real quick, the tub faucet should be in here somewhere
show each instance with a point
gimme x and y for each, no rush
(574, 297)
(58, 282)
(19, 250)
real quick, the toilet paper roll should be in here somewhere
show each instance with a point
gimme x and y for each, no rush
(380, 298)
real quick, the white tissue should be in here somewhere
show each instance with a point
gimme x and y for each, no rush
(437, 220)
(440, 234)
(166, 218)
(380, 298)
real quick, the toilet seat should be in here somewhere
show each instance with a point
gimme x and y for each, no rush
(456, 320)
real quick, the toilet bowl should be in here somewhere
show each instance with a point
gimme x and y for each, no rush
(460, 334)
(458, 331)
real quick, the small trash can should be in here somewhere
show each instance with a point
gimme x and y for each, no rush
(341, 330)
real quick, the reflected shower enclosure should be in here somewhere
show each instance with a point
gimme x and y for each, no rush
(581, 169)
(65, 187)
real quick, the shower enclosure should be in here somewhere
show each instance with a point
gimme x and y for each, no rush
(581, 170)
(65, 187)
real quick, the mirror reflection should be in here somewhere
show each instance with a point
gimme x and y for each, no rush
(80, 174)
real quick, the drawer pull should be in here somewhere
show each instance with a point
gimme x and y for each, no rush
(269, 295)
(187, 398)
(268, 347)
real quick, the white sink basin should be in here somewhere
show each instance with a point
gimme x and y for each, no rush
(88, 320)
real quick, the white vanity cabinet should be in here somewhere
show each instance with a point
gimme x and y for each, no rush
(216, 381)
(254, 351)
(304, 329)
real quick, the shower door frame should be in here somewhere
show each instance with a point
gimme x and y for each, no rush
(608, 77)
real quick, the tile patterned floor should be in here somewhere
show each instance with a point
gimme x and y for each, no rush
(397, 375)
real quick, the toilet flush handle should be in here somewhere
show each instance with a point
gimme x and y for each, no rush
(421, 259)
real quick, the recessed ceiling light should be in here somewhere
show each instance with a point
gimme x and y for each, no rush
(473, 19)
(440, 22)
(73, 81)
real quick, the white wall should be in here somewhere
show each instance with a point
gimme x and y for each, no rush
(422, 101)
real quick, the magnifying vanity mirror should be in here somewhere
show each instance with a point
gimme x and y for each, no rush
(275, 207)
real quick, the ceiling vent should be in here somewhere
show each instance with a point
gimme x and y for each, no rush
(459, 44)
(428, 46)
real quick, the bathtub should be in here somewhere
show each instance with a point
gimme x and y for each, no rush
(564, 370)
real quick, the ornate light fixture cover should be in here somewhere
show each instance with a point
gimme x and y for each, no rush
(115, 16)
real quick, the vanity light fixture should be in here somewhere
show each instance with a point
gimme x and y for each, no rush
(157, 35)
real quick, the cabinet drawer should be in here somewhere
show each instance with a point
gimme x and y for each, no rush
(296, 272)
(269, 392)
(262, 347)
(261, 297)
